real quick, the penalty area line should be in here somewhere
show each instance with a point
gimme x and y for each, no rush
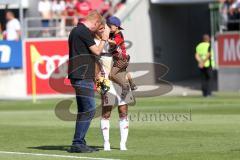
(54, 155)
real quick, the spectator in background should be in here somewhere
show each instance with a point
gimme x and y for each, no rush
(70, 12)
(13, 27)
(113, 7)
(230, 14)
(83, 7)
(45, 8)
(224, 7)
(58, 8)
(233, 17)
(105, 6)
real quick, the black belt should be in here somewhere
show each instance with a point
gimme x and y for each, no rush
(106, 54)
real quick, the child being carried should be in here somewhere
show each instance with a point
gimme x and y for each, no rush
(120, 57)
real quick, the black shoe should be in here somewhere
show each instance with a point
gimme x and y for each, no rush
(82, 148)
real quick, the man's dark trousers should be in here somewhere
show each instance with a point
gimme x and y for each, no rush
(86, 108)
(206, 78)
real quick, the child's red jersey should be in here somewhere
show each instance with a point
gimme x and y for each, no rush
(120, 47)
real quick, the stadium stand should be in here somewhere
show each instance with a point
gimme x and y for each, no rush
(65, 14)
(55, 18)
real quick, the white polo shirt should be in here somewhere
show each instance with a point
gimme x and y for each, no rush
(11, 29)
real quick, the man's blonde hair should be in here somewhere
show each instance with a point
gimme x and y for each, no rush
(94, 15)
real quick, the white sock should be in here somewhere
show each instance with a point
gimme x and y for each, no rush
(105, 125)
(123, 125)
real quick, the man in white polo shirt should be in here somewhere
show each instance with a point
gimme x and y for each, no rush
(13, 27)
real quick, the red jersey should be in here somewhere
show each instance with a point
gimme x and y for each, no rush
(120, 47)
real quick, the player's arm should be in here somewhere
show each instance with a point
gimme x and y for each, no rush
(97, 50)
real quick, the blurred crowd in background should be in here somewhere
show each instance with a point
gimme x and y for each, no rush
(69, 12)
(57, 17)
(230, 14)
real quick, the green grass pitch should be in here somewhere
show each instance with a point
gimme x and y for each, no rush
(201, 129)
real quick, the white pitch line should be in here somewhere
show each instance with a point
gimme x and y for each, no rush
(54, 155)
